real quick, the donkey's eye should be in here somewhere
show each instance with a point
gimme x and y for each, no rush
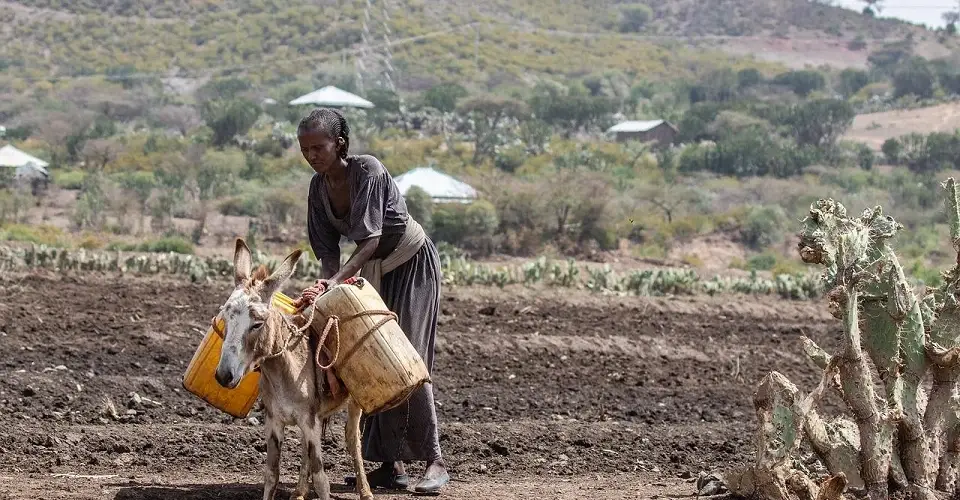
(257, 325)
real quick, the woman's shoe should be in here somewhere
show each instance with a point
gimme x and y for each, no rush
(382, 478)
(434, 479)
(432, 486)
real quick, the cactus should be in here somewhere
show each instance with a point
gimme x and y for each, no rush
(782, 414)
(903, 442)
(457, 270)
(943, 349)
(892, 318)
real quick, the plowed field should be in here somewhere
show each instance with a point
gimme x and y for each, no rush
(541, 393)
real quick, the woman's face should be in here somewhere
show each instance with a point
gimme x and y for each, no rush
(320, 151)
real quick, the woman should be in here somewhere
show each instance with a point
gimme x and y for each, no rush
(354, 196)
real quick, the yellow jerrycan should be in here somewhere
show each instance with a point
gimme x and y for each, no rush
(371, 354)
(200, 379)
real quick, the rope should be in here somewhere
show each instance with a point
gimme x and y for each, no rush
(390, 315)
(296, 333)
(332, 323)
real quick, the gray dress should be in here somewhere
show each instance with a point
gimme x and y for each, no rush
(412, 291)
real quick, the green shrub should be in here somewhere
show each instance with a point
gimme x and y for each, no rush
(420, 205)
(173, 244)
(763, 226)
(40, 234)
(69, 179)
(635, 17)
(246, 205)
(762, 262)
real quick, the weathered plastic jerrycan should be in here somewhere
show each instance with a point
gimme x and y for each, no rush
(374, 359)
(200, 379)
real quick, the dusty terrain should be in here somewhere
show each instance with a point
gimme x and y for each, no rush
(541, 394)
(874, 128)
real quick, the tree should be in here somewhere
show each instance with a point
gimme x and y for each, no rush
(802, 82)
(97, 153)
(444, 97)
(569, 108)
(693, 126)
(420, 205)
(633, 18)
(820, 123)
(852, 80)
(481, 217)
(229, 118)
(387, 106)
(490, 115)
(719, 86)
(873, 7)
(140, 185)
(222, 89)
(664, 192)
(892, 150)
(947, 75)
(749, 77)
(181, 118)
(916, 78)
(950, 19)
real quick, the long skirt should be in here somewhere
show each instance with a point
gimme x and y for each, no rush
(409, 431)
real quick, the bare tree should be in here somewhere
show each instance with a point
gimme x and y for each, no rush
(98, 153)
(182, 118)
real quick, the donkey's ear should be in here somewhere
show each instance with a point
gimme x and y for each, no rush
(283, 272)
(242, 262)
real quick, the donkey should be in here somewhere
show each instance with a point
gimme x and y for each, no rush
(259, 335)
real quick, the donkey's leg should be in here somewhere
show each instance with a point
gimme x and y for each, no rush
(312, 438)
(352, 435)
(271, 471)
(303, 483)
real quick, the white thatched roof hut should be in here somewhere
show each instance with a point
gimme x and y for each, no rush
(333, 97)
(441, 187)
(26, 166)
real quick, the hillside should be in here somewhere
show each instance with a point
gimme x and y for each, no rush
(154, 119)
(270, 41)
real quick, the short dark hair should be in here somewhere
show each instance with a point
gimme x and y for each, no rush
(328, 121)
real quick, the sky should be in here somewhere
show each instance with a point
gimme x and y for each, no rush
(917, 11)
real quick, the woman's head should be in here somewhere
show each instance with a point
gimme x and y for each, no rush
(324, 138)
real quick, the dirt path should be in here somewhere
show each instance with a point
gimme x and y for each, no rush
(240, 487)
(539, 392)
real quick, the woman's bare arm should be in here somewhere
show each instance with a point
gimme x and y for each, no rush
(360, 256)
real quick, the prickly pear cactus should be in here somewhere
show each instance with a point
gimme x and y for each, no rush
(941, 418)
(892, 318)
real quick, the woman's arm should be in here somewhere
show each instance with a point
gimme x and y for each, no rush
(360, 256)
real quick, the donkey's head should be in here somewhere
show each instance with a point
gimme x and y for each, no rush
(246, 315)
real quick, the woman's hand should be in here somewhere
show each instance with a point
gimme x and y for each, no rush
(310, 294)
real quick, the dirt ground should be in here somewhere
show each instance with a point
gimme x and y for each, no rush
(875, 128)
(541, 394)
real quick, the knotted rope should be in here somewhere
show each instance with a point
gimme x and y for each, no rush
(333, 324)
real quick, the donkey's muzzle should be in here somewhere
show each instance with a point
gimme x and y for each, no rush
(225, 378)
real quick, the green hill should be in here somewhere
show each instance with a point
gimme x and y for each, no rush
(154, 119)
(270, 41)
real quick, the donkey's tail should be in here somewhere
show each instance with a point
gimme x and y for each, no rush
(323, 429)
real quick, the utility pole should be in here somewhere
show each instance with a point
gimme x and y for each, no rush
(476, 48)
